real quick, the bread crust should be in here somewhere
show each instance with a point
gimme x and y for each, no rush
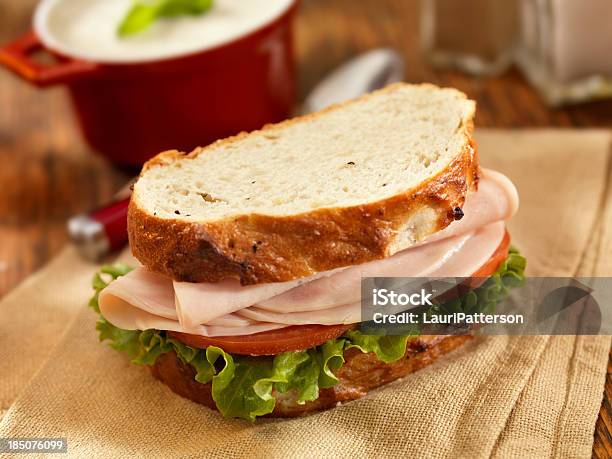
(260, 248)
(360, 374)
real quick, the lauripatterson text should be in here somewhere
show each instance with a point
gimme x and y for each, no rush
(456, 318)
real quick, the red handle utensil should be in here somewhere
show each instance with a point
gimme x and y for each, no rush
(100, 232)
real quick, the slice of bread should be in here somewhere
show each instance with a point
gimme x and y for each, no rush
(360, 374)
(353, 183)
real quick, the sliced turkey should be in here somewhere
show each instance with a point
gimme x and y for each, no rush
(464, 262)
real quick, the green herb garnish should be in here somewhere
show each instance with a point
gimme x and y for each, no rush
(144, 13)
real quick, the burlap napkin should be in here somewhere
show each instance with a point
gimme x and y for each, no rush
(501, 396)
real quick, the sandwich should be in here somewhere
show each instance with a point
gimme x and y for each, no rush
(253, 249)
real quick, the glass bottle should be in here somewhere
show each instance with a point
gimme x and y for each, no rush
(565, 48)
(477, 36)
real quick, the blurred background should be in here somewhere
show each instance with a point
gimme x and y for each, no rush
(47, 172)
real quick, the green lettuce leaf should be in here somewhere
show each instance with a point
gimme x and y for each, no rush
(233, 389)
(387, 348)
(152, 345)
(284, 367)
(121, 340)
(305, 380)
(330, 358)
(111, 272)
(245, 387)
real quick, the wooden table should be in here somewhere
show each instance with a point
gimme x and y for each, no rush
(47, 173)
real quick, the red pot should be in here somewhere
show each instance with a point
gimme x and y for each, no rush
(130, 111)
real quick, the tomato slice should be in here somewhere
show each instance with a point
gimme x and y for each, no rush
(500, 254)
(293, 338)
(300, 337)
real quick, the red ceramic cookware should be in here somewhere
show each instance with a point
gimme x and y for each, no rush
(130, 111)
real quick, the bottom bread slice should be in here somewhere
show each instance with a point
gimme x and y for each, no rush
(360, 374)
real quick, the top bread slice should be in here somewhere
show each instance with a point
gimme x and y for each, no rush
(353, 183)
